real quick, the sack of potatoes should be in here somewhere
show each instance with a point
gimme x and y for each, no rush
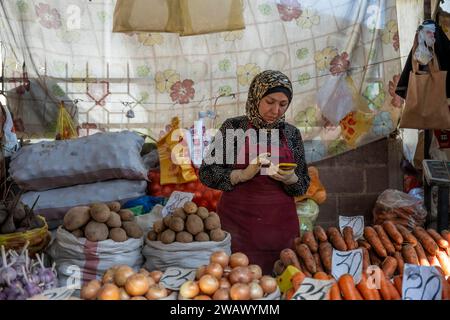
(188, 224)
(121, 282)
(102, 221)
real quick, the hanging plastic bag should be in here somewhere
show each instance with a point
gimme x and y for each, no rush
(65, 128)
(174, 160)
(307, 212)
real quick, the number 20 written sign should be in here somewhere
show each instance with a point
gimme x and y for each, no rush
(174, 277)
(177, 200)
(421, 283)
(313, 289)
(347, 262)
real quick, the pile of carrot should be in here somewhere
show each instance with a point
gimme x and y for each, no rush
(388, 246)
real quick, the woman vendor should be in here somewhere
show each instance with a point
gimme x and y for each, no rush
(257, 206)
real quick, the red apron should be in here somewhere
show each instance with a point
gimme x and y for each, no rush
(260, 216)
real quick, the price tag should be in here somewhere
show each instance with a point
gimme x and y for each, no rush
(356, 222)
(421, 283)
(174, 277)
(63, 293)
(347, 262)
(177, 200)
(313, 289)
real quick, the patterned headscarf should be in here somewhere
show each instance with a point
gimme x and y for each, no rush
(263, 82)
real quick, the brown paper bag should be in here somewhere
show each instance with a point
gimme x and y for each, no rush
(426, 104)
(186, 17)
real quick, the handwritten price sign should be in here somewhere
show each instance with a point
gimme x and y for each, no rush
(177, 200)
(356, 222)
(350, 262)
(421, 283)
(174, 277)
(313, 289)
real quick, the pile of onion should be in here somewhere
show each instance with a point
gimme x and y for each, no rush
(228, 278)
(122, 283)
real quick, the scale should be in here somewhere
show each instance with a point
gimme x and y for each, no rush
(437, 173)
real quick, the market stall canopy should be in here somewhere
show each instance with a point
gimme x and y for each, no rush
(185, 17)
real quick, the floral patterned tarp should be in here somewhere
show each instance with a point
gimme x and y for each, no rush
(69, 47)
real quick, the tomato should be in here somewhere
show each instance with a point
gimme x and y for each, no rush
(167, 190)
(197, 195)
(181, 187)
(154, 188)
(190, 187)
(204, 203)
(213, 205)
(208, 195)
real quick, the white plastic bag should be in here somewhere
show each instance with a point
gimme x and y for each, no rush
(160, 256)
(146, 221)
(10, 143)
(307, 211)
(79, 259)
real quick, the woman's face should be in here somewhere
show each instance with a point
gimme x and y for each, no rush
(273, 106)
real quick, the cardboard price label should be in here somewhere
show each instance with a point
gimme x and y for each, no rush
(347, 262)
(356, 222)
(174, 277)
(177, 200)
(313, 289)
(421, 283)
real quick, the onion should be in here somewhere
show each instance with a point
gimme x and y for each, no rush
(124, 294)
(121, 275)
(108, 277)
(268, 284)
(137, 284)
(240, 274)
(226, 271)
(157, 291)
(215, 270)
(220, 257)
(224, 283)
(256, 271)
(222, 294)
(238, 259)
(144, 271)
(156, 275)
(202, 297)
(109, 291)
(200, 272)
(256, 292)
(189, 289)
(208, 284)
(90, 290)
(151, 281)
(240, 291)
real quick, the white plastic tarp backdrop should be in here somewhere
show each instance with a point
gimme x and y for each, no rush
(161, 75)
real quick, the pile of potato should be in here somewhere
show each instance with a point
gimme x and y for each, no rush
(100, 221)
(122, 283)
(188, 224)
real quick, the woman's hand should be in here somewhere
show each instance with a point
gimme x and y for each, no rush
(239, 176)
(287, 177)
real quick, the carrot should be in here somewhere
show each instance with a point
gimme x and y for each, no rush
(374, 259)
(366, 259)
(297, 280)
(387, 244)
(348, 288)
(440, 241)
(364, 244)
(326, 254)
(440, 271)
(304, 269)
(310, 241)
(400, 262)
(372, 237)
(290, 293)
(348, 238)
(306, 256)
(389, 266)
(446, 235)
(365, 291)
(426, 240)
(385, 289)
(318, 262)
(321, 276)
(408, 237)
(335, 292)
(320, 234)
(443, 261)
(336, 239)
(423, 261)
(445, 289)
(398, 282)
(433, 260)
(410, 255)
(393, 232)
(395, 295)
(288, 257)
(398, 247)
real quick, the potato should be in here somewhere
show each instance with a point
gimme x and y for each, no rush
(152, 235)
(158, 226)
(202, 212)
(118, 235)
(212, 223)
(179, 212)
(184, 237)
(166, 221)
(96, 231)
(217, 235)
(212, 213)
(190, 207)
(76, 217)
(132, 229)
(176, 224)
(202, 236)
(78, 233)
(126, 215)
(194, 224)
(168, 236)
(114, 206)
(114, 220)
(100, 212)
(158, 238)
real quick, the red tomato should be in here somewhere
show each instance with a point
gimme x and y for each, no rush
(197, 195)
(167, 190)
(181, 187)
(213, 205)
(190, 187)
(208, 195)
(203, 203)
(154, 188)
